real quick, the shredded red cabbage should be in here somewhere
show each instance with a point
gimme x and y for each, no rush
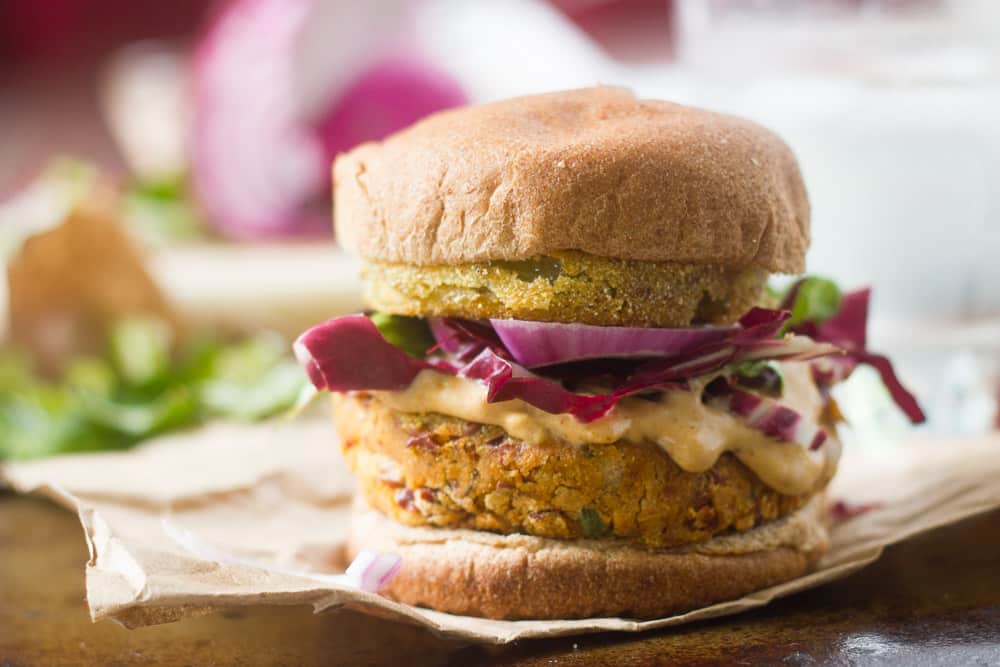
(349, 354)
(847, 329)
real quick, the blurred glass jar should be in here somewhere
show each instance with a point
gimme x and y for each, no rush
(892, 107)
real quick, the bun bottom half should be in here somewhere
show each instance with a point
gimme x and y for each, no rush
(511, 577)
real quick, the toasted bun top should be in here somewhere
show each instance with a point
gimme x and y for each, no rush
(595, 170)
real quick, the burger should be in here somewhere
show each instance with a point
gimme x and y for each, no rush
(575, 394)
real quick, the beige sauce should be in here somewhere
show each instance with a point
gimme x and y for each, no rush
(693, 434)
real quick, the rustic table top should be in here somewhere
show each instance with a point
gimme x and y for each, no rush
(933, 600)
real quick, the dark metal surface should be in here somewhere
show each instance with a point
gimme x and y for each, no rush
(932, 601)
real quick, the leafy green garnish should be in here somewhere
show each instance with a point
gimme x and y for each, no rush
(275, 390)
(142, 388)
(161, 212)
(816, 300)
(91, 375)
(15, 372)
(410, 334)
(140, 350)
(175, 407)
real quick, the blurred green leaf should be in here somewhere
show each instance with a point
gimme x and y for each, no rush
(196, 360)
(273, 391)
(174, 408)
(160, 217)
(91, 374)
(44, 421)
(817, 300)
(15, 371)
(252, 379)
(173, 188)
(142, 389)
(248, 360)
(140, 350)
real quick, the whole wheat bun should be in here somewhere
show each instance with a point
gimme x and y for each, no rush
(595, 170)
(520, 577)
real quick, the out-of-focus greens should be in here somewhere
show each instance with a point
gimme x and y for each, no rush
(162, 212)
(142, 387)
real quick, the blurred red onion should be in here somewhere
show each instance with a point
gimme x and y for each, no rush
(260, 166)
(389, 96)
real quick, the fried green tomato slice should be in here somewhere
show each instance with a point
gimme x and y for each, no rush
(435, 470)
(568, 287)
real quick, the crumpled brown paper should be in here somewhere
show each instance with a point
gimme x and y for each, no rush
(276, 498)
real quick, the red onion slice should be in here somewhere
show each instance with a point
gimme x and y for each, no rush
(253, 163)
(537, 344)
(690, 351)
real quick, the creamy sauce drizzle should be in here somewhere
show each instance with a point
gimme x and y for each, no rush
(693, 434)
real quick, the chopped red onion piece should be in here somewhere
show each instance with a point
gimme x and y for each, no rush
(843, 510)
(766, 415)
(371, 571)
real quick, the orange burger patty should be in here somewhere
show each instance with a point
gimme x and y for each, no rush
(429, 469)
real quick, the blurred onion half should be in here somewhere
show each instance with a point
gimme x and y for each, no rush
(261, 152)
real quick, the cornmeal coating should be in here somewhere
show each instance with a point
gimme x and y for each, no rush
(568, 287)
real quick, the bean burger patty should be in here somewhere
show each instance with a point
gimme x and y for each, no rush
(428, 469)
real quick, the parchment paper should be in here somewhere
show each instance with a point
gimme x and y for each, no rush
(275, 499)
